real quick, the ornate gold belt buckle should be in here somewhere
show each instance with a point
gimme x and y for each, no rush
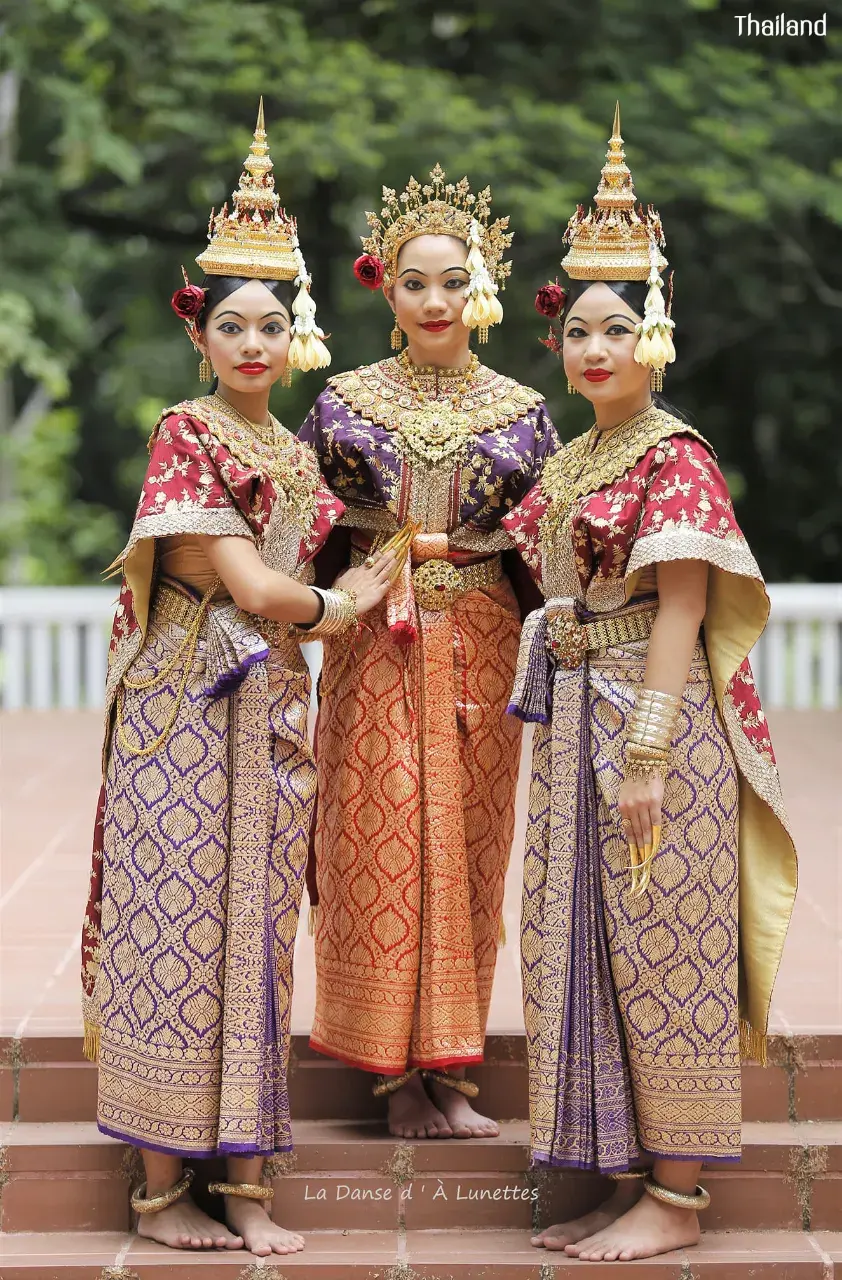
(567, 640)
(437, 584)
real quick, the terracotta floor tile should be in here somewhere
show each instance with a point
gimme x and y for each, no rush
(831, 1243)
(101, 1246)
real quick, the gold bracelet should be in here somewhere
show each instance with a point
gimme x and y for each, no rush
(339, 614)
(642, 751)
(643, 770)
(628, 1175)
(154, 1204)
(246, 1190)
(699, 1200)
(466, 1087)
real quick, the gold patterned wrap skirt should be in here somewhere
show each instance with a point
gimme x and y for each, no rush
(205, 844)
(418, 770)
(630, 1004)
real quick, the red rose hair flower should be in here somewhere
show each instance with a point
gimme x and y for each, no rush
(188, 302)
(370, 271)
(550, 299)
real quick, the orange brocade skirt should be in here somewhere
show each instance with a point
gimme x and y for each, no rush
(417, 768)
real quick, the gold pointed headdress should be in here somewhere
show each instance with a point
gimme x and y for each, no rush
(616, 241)
(448, 209)
(258, 240)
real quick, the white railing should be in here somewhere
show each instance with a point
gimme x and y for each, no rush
(53, 646)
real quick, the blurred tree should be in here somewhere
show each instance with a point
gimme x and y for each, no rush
(121, 124)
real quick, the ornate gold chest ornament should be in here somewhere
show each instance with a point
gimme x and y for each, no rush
(432, 432)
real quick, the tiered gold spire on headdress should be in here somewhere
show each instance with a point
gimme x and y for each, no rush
(258, 239)
(618, 242)
(445, 208)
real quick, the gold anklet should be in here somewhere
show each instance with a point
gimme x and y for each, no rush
(391, 1084)
(247, 1190)
(627, 1175)
(154, 1204)
(699, 1200)
(466, 1087)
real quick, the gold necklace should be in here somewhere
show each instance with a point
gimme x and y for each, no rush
(266, 434)
(432, 431)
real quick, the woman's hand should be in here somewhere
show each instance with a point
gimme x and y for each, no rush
(640, 804)
(369, 582)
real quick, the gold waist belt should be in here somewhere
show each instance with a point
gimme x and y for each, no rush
(437, 584)
(570, 641)
(172, 605)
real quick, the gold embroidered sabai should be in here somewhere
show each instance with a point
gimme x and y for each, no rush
(433, 413)
(596, 459)
(290, 465)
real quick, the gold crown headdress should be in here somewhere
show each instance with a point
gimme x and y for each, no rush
(447, 209)
(617, 241)
(258, 239)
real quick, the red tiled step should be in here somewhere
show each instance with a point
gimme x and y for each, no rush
(69, 1177)
(46, 1078)
(420, 1255)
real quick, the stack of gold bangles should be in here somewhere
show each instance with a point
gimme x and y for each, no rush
(649, 735)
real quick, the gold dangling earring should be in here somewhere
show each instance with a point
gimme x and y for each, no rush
(571, 390)
(205, 370)
(397, 337)
(483, 333)
(286, 377)
(656, 380)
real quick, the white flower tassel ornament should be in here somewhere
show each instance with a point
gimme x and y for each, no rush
(654, 344)
(307, 349)
(483, 307)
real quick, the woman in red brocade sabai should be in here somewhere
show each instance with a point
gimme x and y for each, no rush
(205, 810)
(654, 789)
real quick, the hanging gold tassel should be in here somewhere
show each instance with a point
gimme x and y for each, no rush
(571, 390)
(286, 377)
(501, 936)
(656, 380)
(90, 1043)
(397, 337)
(311, 922)
(205, 370)
(482, 333)
(753, 1044)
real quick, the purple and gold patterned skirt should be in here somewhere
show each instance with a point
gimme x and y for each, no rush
(204, 854)
(630, 1005)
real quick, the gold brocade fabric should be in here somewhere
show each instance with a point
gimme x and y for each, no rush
(417, 768)
(673, 953)
(202, 839)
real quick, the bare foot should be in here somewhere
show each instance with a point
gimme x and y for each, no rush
(184, 1226)
(261, 1234)
(413, 1115)
(460, 1115)
(625, 1194)
(649, 1228)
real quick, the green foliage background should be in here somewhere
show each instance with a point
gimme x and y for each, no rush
(121, 123)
